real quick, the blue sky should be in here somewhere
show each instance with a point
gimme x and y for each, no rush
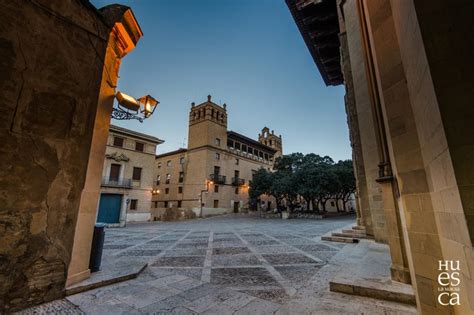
(246, 53)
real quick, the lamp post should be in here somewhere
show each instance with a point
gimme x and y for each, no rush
(127, 202)
(130, 108)
(208, 183)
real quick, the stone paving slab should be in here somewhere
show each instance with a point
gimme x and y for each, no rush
(181, 261)
(238, 264)
(285, 259)
(242, 276)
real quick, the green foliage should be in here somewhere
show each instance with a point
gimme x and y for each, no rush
(312, 177)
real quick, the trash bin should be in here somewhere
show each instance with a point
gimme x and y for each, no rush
(97, 245)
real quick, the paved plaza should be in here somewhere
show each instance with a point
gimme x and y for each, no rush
(237, 264)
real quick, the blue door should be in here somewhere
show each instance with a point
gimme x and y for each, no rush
(109, 208)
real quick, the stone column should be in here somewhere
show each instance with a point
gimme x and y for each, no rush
(364, 131)
(123, 37)
(411, 178)
(436, 50)
(354, 133)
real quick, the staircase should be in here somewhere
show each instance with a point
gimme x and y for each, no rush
(353, 235)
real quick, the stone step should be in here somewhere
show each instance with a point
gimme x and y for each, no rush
(358, 227)
(355, 232)
(349, 235)
(395, 292)
(340, 239)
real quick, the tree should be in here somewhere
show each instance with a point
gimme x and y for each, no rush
(260, 185)
(312, 177)
(346, 182)
(289, 163)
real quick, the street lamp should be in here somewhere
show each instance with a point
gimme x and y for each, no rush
(130, 108)
(208, 183)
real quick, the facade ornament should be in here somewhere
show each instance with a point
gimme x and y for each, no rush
(117, 157)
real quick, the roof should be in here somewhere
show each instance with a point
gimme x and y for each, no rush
(318, 23)
(180, 150)
(135, 134)
(247, 140)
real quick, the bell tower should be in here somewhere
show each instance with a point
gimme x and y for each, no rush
(207, 125)
(271, 140)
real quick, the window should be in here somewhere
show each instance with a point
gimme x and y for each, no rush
(181, 160)
(218, 142)
(179, 203)
(159, 164)
(139, 146)
(168, 178)
(114, 172)
(180, 190)
(237, 145)
(216, 188)
(181, 177)
(244, 148)
(250, 150)
(217, 170)
(168, 163)
(167, 191)
(137, 173)
(158, 179)
(332, 204)
(118, 142)
(216, 203)
(155, 204)
(237, 161)
(236, 190)
(166, 204)
(133, 204)
(218, 156)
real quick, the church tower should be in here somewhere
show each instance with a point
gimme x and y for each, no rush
(271, 140)
(207, 125)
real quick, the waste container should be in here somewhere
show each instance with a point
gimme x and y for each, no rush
(97, 245)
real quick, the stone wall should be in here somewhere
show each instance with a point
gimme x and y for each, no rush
(51, 71)
(53, 56)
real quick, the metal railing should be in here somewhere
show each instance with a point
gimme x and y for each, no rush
(218, 179)
(236, 181)
(121, 182)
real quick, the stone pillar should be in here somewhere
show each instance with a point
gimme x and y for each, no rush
(399, 268)
(122, 39)
(353, 124)
(361, 114)
(411, 183)
(436, 51)
(52, 61)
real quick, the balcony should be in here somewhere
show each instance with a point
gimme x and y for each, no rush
(120, 183)
(236, 181)
(218, 179)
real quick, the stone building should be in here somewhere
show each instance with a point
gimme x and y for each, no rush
(59, 71)
(407, 69)
(127, 179)
(217, 165)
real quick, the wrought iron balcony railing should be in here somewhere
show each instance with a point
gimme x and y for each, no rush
(218, 179)
(121, 182)
(236, 181)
